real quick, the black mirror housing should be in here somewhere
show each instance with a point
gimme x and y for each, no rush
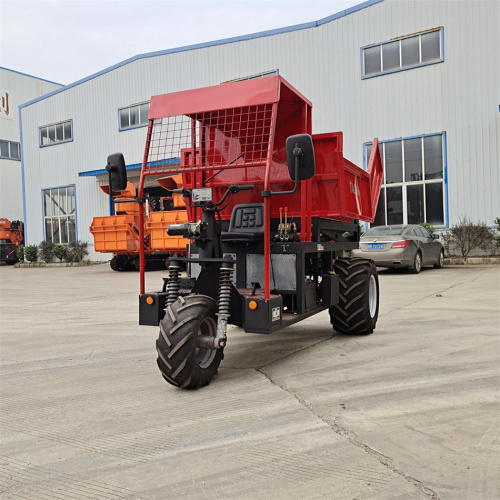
(117, 172)
(300, 156)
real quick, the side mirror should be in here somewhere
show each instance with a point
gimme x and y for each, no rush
(117, 172)
(300, 157)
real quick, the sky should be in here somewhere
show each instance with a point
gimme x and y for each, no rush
(64, 41)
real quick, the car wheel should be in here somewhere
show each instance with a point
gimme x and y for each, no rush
(417, 263)
(440, 263)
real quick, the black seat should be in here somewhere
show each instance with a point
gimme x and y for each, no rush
(247, 223)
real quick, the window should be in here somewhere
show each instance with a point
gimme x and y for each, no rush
(10, 150)
(404, 53)
(413, 185)
(134, 116)
(59, 214)
(56, 133)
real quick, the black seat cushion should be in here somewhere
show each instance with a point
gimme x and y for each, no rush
(247, 223)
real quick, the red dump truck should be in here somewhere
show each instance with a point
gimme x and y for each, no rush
(271, 210)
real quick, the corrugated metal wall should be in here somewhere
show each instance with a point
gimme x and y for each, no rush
(20, 88)
(460, 97)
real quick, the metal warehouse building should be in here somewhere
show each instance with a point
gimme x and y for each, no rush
(15, 88)
(421, 76)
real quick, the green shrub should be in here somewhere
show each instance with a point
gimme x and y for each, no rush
(20, 253)
(428, 226)
(45, 250)
(76, 251)
(60, 252)
(497, 238)
(31, 253)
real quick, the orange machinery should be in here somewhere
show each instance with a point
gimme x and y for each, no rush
(11, 236)
(119, 233)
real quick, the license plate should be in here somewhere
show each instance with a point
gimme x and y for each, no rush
(375, 246)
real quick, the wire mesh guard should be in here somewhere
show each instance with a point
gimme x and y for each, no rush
(231, 138)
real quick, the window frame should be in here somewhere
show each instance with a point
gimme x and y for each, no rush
(55, 125)
(137, 106)
(9, 147)
(70, 216)
(421, 64)
(403, 185)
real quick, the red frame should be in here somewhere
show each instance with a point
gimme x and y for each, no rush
(235, 133)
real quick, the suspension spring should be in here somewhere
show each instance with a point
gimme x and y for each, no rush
(225, 282)
(174, 283)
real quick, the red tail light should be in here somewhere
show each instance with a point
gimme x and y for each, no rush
(401, 244)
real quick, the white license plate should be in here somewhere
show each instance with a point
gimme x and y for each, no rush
(375, 246)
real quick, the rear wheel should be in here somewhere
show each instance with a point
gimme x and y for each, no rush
(440, 263)
(417, 263)
(357, 310)
(181, 362)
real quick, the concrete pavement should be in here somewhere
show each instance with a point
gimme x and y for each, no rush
(409, 412)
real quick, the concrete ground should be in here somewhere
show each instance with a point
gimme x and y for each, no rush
(409, 412)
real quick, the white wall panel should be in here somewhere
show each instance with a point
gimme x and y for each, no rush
(459, 96)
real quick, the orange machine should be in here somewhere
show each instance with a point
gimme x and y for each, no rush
(11, 236)
(119, 233)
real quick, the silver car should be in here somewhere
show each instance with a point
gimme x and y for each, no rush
(410, 246)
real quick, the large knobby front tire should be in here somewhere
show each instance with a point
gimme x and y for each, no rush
(182, 363)
(357, 310)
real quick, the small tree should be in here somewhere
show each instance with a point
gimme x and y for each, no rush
(428, 226)
(467, 237)
(76, 251)
(497, 238)
(31, 253)
(20, 253)
(60, 252)
(45, 250)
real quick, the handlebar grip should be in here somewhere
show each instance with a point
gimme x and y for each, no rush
(246, 187)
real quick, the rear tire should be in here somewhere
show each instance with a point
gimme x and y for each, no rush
(181, 363)
(417, 263)
(357, 310)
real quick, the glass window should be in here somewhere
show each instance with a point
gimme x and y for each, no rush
(433, 157)
(10, 150)
(413, 188)
(390, 56)
(393, 162)
(413, 160)
(58, 132)
(372, 60)
(15, 150)
(67, 131)
(410, 51)
(431, 50)
(406, 52)
(394, 205)
(380, 214)
(434, 203)
(134, 116)
(144, 112)
(4, 149)
(59, 214)
(415, 203)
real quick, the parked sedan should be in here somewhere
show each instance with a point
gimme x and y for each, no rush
(410, 246)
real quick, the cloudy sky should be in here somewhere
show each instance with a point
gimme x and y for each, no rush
(65, 40)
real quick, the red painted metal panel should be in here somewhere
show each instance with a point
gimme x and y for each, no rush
(225, 96)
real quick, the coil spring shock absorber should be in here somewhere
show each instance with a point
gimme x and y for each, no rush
(174, 282)
(223, 311)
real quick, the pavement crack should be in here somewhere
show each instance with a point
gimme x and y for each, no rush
(353, 438)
